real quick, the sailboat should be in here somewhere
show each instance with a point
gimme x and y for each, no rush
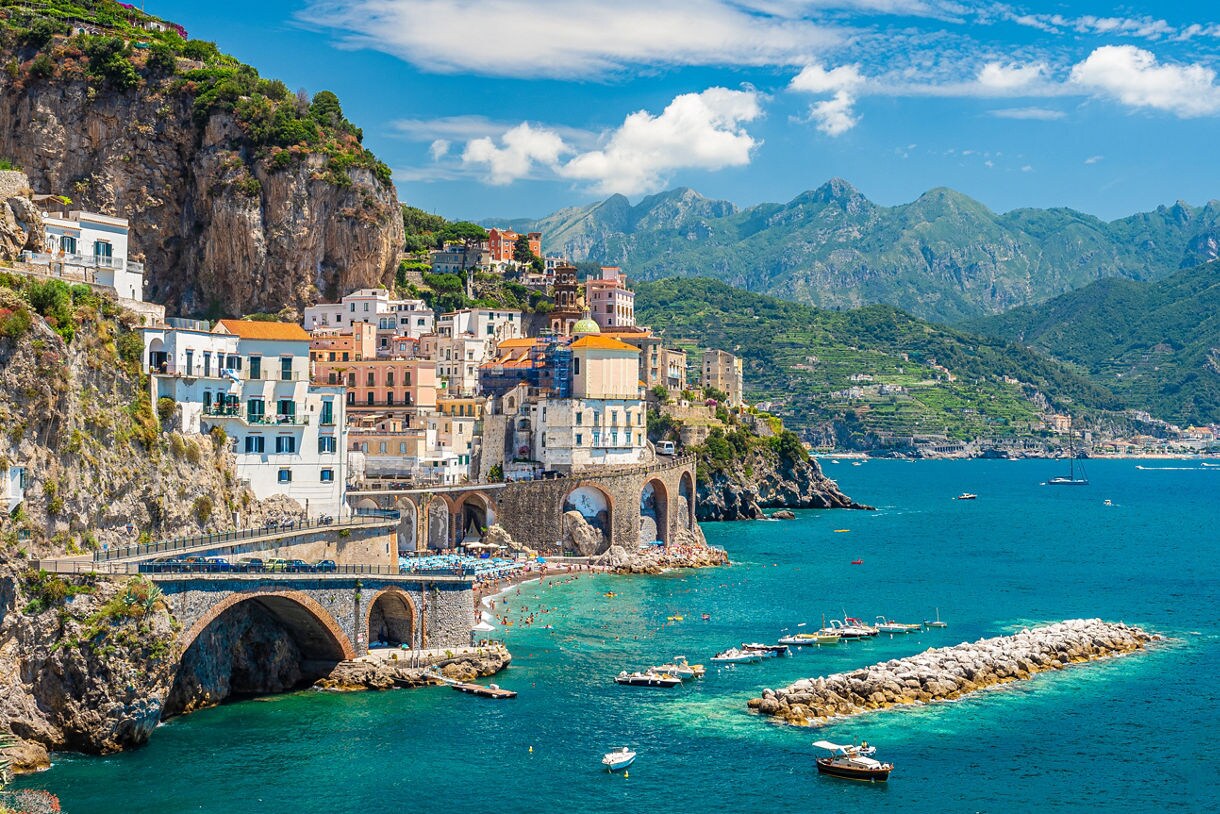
(1070, 479)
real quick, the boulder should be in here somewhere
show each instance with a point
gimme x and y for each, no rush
(581, 537)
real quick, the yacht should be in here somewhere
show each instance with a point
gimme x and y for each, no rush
(735, 656)
(620, 758)
(852, 623)
(1070, 479)
(810, 639)
(680, 668)
(890, 626)
(767, 651)
(852, 762)
(638, 679)
(937, 622)
(967, 496)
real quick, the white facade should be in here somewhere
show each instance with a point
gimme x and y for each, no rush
(491, 325)
(287, 435)
(463, 341)
(12, 487)
(392, 317)
(571, 435)
(91, 247)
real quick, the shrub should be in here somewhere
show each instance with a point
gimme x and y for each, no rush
(131, 349)
(161, 59)
(42, 67)
(14, 323)
(202, 509)
(41, 31)
(165, 408)
(108, 60)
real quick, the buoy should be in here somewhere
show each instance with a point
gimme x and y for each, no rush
(531, 750)
(626, 774)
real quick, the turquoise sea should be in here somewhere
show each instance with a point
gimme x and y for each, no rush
(1137, 734)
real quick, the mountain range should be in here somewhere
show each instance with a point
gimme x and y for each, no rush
(1156, 345)
(944, 256)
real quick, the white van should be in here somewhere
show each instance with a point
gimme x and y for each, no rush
(665, 448)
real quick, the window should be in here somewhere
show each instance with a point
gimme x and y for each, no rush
(402, 447)
(68, 244)
(207, 363)
(576, 366)
(207, 400)
(332, 378)
(255, 443)
(580, 417)
(351, 397)
(328, 476)
(369, 399)
(389, 399)
(345, 358)
(351, 306)
(285, 476)
(406, 379)
(256, 367)
(190, 363)
(285, 444)
(328, 412)
(383, 448)
(326, 443)
(287, 408)
(286, 368)
(103, 249)
(579, 440)
(369, 379)
(332, 356)
(389, 378)
(351, 380)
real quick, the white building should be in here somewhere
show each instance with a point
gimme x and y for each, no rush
(463, 340)
(12, 487)
(252, 379)
(392, 317)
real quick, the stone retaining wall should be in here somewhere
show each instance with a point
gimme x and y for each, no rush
(950, 672)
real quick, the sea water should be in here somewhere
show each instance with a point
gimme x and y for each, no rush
(1133, 734)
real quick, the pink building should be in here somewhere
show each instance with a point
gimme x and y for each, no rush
(611, 304)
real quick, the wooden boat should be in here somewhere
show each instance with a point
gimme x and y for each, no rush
(620, 758)
(638, 679)
(852, 762)
(936, 622)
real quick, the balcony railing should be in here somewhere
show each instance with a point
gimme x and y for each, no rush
(278, 419)
(87, 261)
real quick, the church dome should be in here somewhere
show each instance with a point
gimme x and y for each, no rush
(585, 326)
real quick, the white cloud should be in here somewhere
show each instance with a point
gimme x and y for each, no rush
(1033, 113)
(438, 149)
(564, 39)
(1006, 79)
(519, 150)
(1027, 168)
(1134, 77)
(695, 131)
(1093, 159)
(836, 115)
(1149, 28)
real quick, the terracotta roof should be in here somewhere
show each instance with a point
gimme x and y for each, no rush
(596, 342)
(517, 343)
(249, 329)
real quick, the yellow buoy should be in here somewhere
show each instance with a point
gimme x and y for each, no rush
(626, 774)
(531, 750)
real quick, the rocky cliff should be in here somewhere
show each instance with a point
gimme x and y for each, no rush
(241, 197)
(763, 479)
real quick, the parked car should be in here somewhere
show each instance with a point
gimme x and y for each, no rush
(217, 564)
(297, 566)
(325, 566)
(248, 564)
(275, 564)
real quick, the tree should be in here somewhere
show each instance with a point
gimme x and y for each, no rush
(462, 231)
(522, 252)
(325, 109)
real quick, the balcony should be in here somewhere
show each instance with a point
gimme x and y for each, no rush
(85, 261)
(256, 419)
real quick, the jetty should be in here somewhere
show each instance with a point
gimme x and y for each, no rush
(947, 673)
(483, 692)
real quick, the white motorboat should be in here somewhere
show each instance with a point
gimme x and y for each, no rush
(767, 651)
(638, 679)
(735, 656)
(620, 758)
(890, 626)
(681, 668)
(852, 762)
(810, 639)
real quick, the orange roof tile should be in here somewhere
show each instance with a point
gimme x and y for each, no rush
(517, 343)
(249, 329)
(602, 343)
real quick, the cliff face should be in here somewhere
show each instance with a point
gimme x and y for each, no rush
(763, 479)
(220, 227)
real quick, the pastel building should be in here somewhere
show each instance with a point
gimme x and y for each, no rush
(610, 302)
(723, 371)
(252, 379)
(382, 385)
(392, 317)
(463, 340)
(501, 242)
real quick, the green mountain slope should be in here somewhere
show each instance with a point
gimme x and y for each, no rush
(1155, 344)
(804, 359)
(943, 256)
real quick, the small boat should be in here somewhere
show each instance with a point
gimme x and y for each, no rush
(856, 463)
(620, 758)
(707, 617)
(852, 762)
(1070, 479)
(680, 668)
(890, 626)
(735, 656)
(810, 639)
(610, 594)
(937, 622)
(834, 460)
(638, 679)
(1107, 502)
(857, 562)
(842, 531)
(967, 496)
(674, 618)
(860, 625)
(767, 651)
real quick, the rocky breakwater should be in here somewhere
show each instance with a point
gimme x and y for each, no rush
(688, 550)
(951, 672)
(383, 671)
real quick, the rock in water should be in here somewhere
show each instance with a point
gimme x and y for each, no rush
(941, 675)
(581, 537)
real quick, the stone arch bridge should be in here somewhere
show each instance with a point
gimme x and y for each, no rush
(331, 617)
(627, 504)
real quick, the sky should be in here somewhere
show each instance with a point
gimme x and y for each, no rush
(516, 108)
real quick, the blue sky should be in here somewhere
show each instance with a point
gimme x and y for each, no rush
(513, 108)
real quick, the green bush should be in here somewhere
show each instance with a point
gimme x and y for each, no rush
(42, 67)
(14, 322)
(165, 408)
(202, 509)
(162, 59)
(108, 60)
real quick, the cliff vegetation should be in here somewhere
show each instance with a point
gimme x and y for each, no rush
(243, 196)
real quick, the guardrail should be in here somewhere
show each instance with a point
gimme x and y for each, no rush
(205, 541)
(195, 570)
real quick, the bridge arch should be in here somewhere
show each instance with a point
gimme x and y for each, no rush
(436, 523)
(654, 512)
(595, 505)
(392, 618)
(686, 500)
(408, 526)
(476, 512)
(312, 627)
